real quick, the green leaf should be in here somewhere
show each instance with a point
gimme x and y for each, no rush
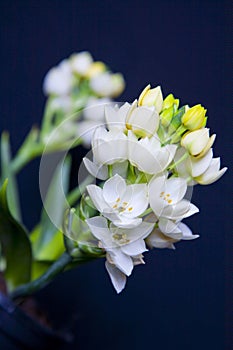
(6, 172)
(15, 244)
(48, 241)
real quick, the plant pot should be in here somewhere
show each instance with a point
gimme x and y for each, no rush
(18, 331)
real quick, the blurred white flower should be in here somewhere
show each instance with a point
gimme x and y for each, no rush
(107, 84)
(93, 116)
(120, 203)
(81, 62)
(58, 80)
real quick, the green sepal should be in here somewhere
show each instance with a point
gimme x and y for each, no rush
(15, 245)
(176, 120)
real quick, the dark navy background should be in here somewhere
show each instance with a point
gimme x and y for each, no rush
(180, 299)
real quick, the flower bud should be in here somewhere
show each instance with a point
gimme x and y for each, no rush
(194, 118)
(95, 69)
(151, 97)
(198, 142)
(170, 101)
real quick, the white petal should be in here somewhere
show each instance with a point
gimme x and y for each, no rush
(195, 141)
(99, 228)
(122, 261)
(115, 116)
(114, 189)
(176, 188)
(134, 248)
(212, 174)
(186, 232)
(180, 210)
(96, 194)
(198, 166)
(158, 240)
(124, 222)
(95, 108)
(156, 187)
(170, 229)
(117, 277)
(137, 198)
(144, 121)
(96, 170)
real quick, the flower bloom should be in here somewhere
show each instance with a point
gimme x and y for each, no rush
(58, 80)
(122, 247)
(120, 203)
(151, 97)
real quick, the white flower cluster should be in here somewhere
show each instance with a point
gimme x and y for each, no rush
(80, 82)
(147, 154)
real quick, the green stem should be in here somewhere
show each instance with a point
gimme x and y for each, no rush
(31, 287)
(146, 212)
(179, 161)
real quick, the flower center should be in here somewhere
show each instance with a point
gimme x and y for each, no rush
(166, 197)
(122, 206)
(120, 238)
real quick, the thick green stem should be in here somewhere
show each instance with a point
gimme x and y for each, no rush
(31, 287)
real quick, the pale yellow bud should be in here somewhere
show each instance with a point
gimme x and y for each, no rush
(194, 118)
(151, 97)
(95, 69)
(198, 142)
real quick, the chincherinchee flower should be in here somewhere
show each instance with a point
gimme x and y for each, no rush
(166, 198)
(120, 203)
(123, 247)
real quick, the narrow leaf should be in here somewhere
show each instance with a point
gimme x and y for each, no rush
(6, 172)
(15, 244)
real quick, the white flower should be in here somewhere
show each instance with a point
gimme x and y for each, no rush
(81, 62)
(143, 121)
(198, 142)
(58, 80)
(120, 203)
(148, 155)
(166, 200)
(212, 174)
(204, 170)
(100, 171)
(93, 115)
(115, 116)
(109, 146)
(157, 239)
(107, 84)
(123, 247)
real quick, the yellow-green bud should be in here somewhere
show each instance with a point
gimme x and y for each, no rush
(151, 97)
(194, 118)
(166, 116)
(169, 101)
